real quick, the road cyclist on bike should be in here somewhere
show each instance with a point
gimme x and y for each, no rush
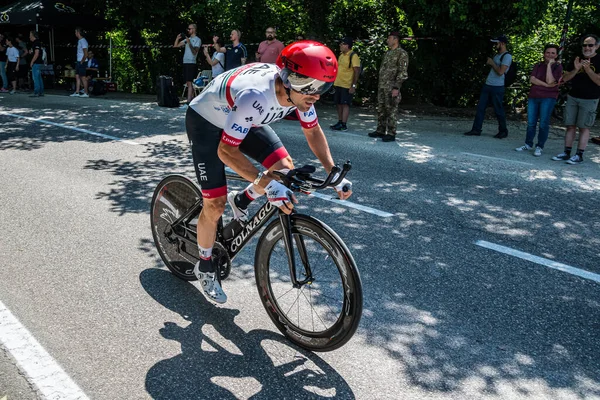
(228, 122)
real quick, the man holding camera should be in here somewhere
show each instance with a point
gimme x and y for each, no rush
(192, 45)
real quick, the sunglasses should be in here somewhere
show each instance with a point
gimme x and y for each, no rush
(588, 45)
(269, 32)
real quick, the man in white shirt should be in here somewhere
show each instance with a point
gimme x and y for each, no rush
(192, 45)
(81, 65)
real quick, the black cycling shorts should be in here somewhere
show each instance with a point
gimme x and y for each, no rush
(261, 144)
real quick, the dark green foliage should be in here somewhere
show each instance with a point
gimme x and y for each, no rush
(445, 70)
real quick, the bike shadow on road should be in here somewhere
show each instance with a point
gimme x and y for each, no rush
(219, 360)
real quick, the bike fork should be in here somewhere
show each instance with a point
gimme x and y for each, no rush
(286, 225)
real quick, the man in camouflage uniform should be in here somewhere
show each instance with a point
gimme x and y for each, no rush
(393, 71)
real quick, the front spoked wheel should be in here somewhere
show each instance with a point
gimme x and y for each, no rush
(323, 313)
(173, 198)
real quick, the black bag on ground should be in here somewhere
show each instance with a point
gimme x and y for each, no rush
(98, 88)
(166, 94)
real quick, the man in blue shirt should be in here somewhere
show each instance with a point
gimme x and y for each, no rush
(235, 53)
(493, 90)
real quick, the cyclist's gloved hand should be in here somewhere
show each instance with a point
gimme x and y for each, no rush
(344, 188)
(280, 196)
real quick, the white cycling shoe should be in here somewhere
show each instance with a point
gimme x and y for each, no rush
(210, 285)
(238, 213)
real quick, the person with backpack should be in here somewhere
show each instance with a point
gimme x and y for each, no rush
(493, 90)
(542, 98)
(36, 64)
(345, 83)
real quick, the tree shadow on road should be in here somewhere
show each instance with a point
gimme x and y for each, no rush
(453, 323)
(219, 360)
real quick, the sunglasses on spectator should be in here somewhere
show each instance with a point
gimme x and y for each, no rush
(588, 45)
(270, 32)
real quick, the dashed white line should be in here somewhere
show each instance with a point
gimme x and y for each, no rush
(350, 204)
(540, 260)
(74, 128)
(344, 203)
(41, 370)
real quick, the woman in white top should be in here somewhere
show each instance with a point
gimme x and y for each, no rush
(217, 61)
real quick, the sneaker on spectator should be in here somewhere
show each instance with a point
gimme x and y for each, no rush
(3, 90)
(538, 151)
(561, 157)
(84, 95)
(336, 127)
(576, 159)
(75, 95)
(12, 92)
(343, 128)
(523, 148)
(238, 213)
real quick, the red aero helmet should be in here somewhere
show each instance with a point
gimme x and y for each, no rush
(307, 67)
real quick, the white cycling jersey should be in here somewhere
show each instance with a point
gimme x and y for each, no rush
(245, 97)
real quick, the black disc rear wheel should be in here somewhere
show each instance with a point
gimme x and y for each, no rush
(173, 197)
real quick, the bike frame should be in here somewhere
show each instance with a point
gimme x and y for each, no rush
(239, 241)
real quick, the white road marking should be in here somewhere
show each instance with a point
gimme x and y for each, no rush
(350, 204)
(43, 121)
(496, 158)
(345, 203)
(540, 260)
(41, 370)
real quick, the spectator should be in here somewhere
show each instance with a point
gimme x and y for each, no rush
(190, 67)
(22, 72)
(36, 64)
(493, 90)
(269, 50)
(236, 53)
(542, 98)
(3, 48)
(81, 65)
(345, 82)
(217, 61)
(392, 73)
(12, 68)
(92, 65)
(91, 70)
(582, 100)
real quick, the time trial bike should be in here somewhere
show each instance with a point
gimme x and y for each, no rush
(306, 277)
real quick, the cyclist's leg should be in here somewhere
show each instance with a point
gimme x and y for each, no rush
(210, 171)
(263, 145)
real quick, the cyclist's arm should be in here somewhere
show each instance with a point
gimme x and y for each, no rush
(318, 144)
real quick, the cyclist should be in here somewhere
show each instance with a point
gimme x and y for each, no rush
(229, 121)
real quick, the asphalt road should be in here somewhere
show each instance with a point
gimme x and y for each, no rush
(444, 317)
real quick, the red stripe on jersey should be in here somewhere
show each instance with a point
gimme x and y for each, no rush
(230, 140)
(214, 193)
(230, 99)
(275, 156)
(311, 124)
